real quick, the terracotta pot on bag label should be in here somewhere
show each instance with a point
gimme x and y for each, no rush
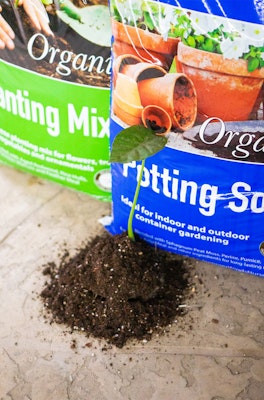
(224, 87)
(126, 100)
(175, 93)
(120, 62)
(150, 47)
(157, 119)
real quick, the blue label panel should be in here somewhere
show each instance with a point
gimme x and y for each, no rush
(194, 206)
(245, 10)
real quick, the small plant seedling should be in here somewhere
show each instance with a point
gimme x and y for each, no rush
(136, 143)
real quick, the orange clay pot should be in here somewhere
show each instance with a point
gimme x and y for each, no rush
(156, 118)
(126, 100)
(120, 62)
(119, 111)
(150, 47)
(143, 70)
(224, 87)
(174, 93)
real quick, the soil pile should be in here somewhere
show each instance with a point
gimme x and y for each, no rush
(116, 289)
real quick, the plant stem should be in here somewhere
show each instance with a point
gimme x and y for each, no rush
(132, 211)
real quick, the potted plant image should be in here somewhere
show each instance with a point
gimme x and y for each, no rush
(149, 46)
(226, 71)
(147, 36)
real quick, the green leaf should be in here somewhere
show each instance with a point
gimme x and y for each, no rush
(253, 63)
(173, 67)
(191, 41)
(46, 2)
(136, 143)
(200, 39)
(209, 45)
(148, 21)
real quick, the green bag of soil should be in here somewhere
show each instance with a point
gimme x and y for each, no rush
(54, 91)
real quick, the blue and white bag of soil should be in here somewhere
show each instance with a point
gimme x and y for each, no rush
(200, 64)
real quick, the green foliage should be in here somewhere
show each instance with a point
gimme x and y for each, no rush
(70, 12)
(209, 41)
(135, 143)
(47, 2)
(254, 57)
(181, 26)
(148, 16)
(116, 14)
(144, 15)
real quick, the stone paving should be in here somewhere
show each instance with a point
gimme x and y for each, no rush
(216, 352)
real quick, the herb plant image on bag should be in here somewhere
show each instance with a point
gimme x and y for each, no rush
(116, 288)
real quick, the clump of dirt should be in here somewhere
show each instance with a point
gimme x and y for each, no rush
(116, 289)
(152, 124)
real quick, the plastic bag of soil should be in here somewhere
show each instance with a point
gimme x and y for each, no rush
(55, 89)
(194, 71)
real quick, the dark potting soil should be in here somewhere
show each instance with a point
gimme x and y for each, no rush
(152, 124)
(116, 289)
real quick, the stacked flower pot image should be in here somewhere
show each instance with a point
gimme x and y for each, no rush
(208, 82)
(145, 93)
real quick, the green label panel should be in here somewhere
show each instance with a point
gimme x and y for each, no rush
(55, 129)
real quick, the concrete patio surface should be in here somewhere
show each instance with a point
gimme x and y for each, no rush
(215, 353)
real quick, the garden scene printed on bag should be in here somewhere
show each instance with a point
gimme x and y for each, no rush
(55, 68)
(193, 71)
